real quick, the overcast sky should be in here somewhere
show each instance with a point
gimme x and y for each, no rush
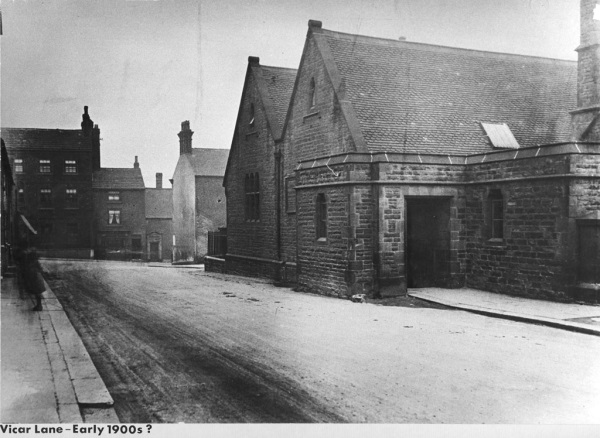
(144, 66)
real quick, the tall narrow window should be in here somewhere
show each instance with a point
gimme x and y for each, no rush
(321, 216)
(496, 205)
(312, 94)
(114, 217)
(18, 165)
(71, 198)
(70, 166)
(45, 198)
(44, 166)
(252, 189)
(251, 122)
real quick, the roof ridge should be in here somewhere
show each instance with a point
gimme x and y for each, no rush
(41, 129)
(436, 47)
(290, 69)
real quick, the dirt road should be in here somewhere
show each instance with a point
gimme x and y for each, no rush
(181, 345)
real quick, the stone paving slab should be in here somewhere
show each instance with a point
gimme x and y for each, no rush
(47, 374)
(569, 316)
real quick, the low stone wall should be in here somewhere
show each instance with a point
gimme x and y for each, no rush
(214, 264)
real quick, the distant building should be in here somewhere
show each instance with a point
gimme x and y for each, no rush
(52, 169)
(159, 222)
(198, 196)
(119, 213)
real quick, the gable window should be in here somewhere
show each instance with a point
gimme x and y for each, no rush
(114, 196)
(18, 165)
(312, 94)
(321, 216)
(496, 214)
(44, 166)
(45, 198)
(71, 198)
(114, 217)
(252, 118)
(70, 166)
(252, 189)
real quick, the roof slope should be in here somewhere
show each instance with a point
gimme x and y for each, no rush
(411, 97)
(65, 139)
(279, 84)
(159, 203)
(208, 162)
(118, 178)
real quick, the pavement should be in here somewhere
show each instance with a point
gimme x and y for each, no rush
(582, 318)
(47, 375)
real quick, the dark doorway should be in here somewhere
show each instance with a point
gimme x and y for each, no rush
(589, 253)
(154, 252)
(427, 242)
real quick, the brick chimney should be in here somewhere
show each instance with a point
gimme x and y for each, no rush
(585, 117)
(136, 165)
(185, 138)
(159, 180)
(96, 148)
(86, 122)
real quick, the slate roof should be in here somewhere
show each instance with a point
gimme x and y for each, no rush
(64, 139)
(159, 203)
(280, 83)
(411, 97)
(118, 178)
(208, 162)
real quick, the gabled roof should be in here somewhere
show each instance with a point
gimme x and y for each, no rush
(208, 162)
(279, 84)
(159, 203)
(419, 98)
(275, 86)
(29, 138)
(118, 178)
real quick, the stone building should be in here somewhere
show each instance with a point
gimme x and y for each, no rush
(198, 197)
(413, 165)
(159, 222)
(253, 173)
(119, 213)
(52, 169)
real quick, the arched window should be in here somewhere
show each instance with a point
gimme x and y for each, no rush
(321, 216)
(496, 214)
(312, 94)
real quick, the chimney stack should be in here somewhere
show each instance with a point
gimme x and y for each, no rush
(96, 148)
(136, 165)
(159, 180)
(185, 138)
(86, 122)
(585, 117)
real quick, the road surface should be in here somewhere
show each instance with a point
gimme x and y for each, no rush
(182, 345)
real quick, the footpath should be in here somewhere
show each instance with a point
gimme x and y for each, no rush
(582, 318)
(47, 375)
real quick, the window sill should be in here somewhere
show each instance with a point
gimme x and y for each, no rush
(313, 114)
(322, 240)
(496, 242)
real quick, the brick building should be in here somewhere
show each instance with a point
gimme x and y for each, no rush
(412, 165)
(198, 196)
(119, 213)
(9, 215)
(159, 222)
(52, 169)
(253, 173)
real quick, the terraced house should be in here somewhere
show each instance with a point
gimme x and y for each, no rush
(401, 165)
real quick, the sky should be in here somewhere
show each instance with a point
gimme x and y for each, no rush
(144, 66)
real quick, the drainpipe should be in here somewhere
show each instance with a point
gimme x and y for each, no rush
(278, 176)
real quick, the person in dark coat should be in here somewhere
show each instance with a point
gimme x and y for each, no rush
(31, 274)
